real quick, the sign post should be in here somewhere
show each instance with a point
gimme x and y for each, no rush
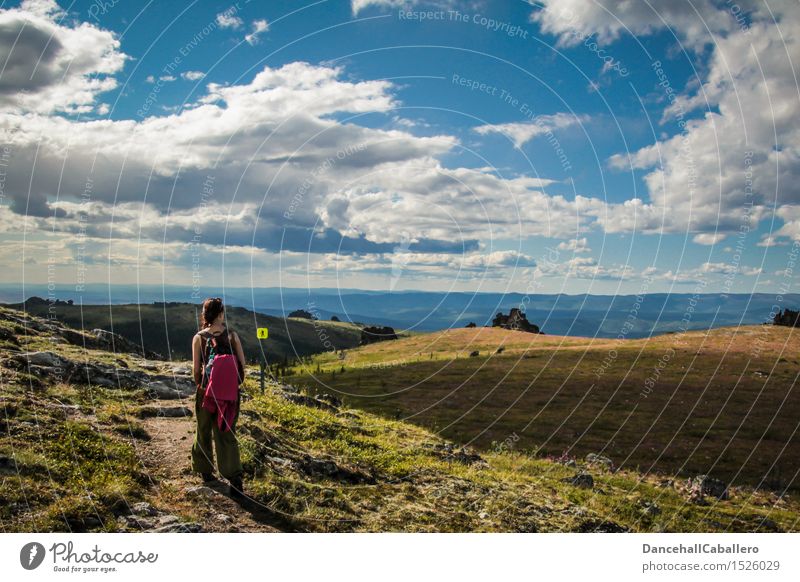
(262, 333)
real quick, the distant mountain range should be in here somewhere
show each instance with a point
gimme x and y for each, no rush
(577, 315)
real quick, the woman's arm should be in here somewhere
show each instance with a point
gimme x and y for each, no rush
(197, 360)
(237, 345)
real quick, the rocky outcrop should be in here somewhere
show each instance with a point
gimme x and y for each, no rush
(302, 314)
(52, 366)
(516, 320)
(703, 485)
(113, 342)
(787, 318)
(374, 334)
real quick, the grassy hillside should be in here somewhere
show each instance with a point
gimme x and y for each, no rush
(88, 456)
(722, 402)
(168, 328)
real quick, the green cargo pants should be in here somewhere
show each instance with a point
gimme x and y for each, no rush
(226, 443)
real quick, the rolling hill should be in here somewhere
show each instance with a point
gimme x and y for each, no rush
(723, 402)
(167, 328)
(98, 440)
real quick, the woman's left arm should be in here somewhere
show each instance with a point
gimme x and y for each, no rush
(237, 345)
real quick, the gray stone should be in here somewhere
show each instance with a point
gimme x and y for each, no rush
(165, 411)
(706, 485)
(595, 459)
(183, 527)
(200, 491)
(143, 508)
(170, 387)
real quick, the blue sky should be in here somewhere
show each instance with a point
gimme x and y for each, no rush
(579, 146)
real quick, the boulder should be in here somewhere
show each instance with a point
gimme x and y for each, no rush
(595, 459)
(170, 387)
(705, 485)
(516, 320)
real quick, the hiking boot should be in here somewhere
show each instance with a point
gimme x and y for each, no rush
(236, 488)
(208, 477)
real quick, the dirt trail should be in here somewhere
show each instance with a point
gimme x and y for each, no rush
(166, 457)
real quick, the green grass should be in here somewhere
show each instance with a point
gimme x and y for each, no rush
(72, 460)
(706, 411)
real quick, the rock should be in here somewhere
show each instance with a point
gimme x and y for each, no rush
(581, 480)
(474, 354)
(769, 525)
(114, 342)
(8, 336)
(145, 365)
(7, 464)
(600, 526)
(181, 370)
(136, 522)
(595, 459)
(483, 515)
(143, 508)
(706, 485)
(170, 387)
(45, 360)
(184, 527)
(223, 518)
(449, 452)
(200, 491)
(329, 469)
(165, 411)
(516, 320)
(650, 508)
(167, 519)
(331, 399)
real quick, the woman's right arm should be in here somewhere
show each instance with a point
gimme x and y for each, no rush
(197, 360)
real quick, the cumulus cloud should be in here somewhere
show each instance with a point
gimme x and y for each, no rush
(228, 19)
(51, 66)
(575, 245)
(738, 154)
(193, 75)
(708, 238)
(259, 27)
(522, 133)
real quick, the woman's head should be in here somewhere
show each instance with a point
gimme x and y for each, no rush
(212, 310)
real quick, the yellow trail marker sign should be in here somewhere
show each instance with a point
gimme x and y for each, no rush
(262, 333)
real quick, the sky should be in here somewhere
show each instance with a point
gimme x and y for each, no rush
(578, 146)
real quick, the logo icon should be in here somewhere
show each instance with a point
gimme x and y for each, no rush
(262, 333)
(31, 555)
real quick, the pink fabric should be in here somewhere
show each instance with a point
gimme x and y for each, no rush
(222, 392)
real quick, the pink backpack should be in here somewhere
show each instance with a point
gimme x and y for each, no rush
(222, 391)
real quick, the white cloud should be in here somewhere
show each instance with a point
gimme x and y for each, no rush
(193, 75)
(258, 28)
(51, 66)
(575, 245)
(708, 238)
(522, 133)
(228, 19)
(729, 269)
(739, 151)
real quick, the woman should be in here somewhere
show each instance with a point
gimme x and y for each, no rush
(215, 339)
